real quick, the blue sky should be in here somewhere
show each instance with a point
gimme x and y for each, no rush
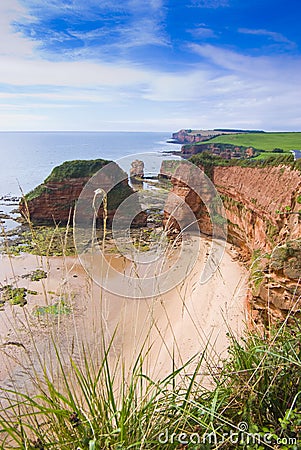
(156, 65)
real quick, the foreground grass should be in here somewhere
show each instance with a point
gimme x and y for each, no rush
(262, 141)
(254, 403)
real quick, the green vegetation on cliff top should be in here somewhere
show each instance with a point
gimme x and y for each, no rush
(208, 160)
(263, 141)
(76, 169)
(67, 170)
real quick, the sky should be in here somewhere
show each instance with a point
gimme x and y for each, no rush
(150, 65)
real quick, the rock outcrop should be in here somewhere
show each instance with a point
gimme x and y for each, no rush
(53, 201)
(226, 151)
(183, 177)
(137, 169)
(275, 283)
(189, 136)
(263, 209)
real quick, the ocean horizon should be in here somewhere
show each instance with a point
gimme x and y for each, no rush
(28, 157)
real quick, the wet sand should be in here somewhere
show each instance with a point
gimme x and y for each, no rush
(174, 326)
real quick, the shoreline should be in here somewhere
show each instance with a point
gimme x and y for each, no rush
(175, 325)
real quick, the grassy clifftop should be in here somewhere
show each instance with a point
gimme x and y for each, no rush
(55, 198)
(208, 160)
(67, 170)
(262, 141)
(76, 169)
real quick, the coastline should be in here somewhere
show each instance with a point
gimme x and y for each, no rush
(175, 326)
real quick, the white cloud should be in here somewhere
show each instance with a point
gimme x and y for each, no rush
(210, 3)
(56, 98)
(74, 8)
(224, 89)
(11, 42)
(145, 31)
(154, 5)
(259, 67)
(23, 121)
(260, 91)
(124, 25)
(185, 87)
(273, 35)
(32, 72)
(202, 32)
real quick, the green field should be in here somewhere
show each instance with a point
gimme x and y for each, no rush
(261, 141)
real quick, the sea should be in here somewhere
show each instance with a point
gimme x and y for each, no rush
(27, 158)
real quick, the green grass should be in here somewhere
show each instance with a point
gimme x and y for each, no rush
(58, 308)
(36, 275)
(76, 169)
(64, 174)
(262, 141)
(256, 269)
(259, 385)
(68, 170)
(208, 161)
(36, 192)
(265, 155)
(13, 295)
(42, 241)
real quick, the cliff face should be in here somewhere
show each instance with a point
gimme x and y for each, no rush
(275, 281)
(53, 201)
(194, 136)
(262, 204)
(263, 208)
(187, 137)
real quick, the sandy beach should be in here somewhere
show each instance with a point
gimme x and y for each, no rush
(173, 327)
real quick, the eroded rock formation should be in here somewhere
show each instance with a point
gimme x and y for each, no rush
(187, 184)
(53, 201)
(189, 136)
(137, 169)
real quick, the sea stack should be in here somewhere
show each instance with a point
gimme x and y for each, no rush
(53, 201)
(137, 169)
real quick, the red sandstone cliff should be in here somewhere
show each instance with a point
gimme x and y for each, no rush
(188, 137)
(194, 136)
(54, 200)
(263, 209)
(262, 204)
